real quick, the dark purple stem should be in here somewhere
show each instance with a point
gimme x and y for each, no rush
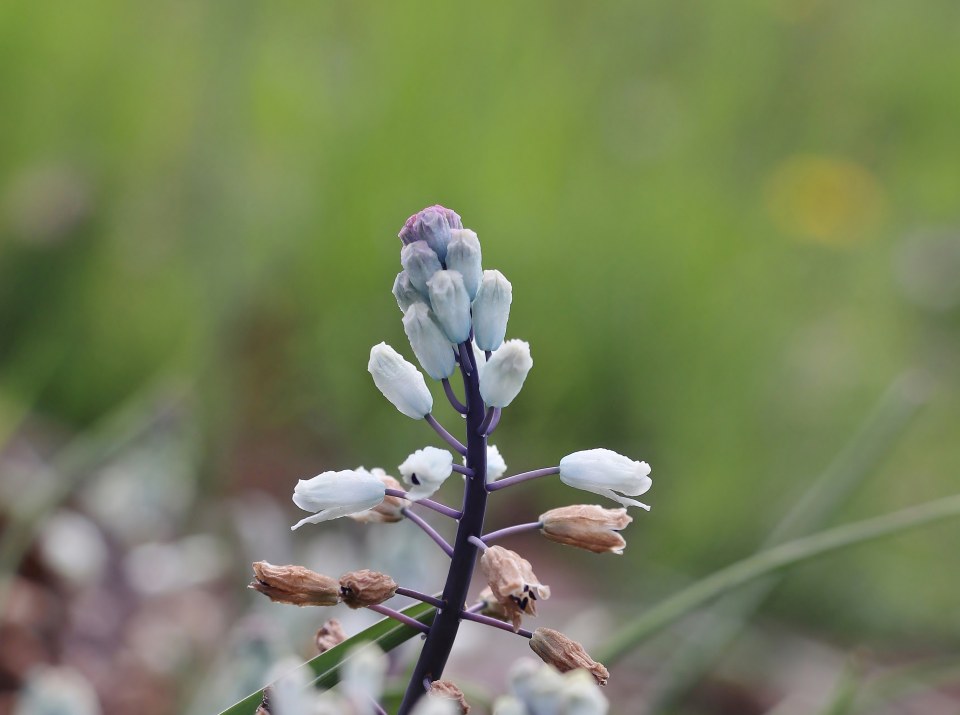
(465, 471)
(397, 616)
(428, 530)
(519, 528)
(447, 437)
(517, 478)
(429, 503)
(452, 396)
(443, 632)
(410, 593)
(487, 621)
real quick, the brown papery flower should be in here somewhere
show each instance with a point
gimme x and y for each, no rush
(330, 634)
(295, 585)
(448, 691)
(363, 588)
(566, 654)
(513, 582)
(586, 526)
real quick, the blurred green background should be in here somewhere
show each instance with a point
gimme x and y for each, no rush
(729, 227)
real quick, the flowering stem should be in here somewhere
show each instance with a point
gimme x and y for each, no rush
(410, 593)
(476, 608)
(460, 469)
(478, 542)
(500, 533)
(487, 621)
(429, 503)
(517, 478)
(428, 530)
(452, 396)
(443, 632)
(447, 437)
(397, 616)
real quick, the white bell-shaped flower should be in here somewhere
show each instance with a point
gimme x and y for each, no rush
(604, 472)
(420, 263)
(430, 345)
(405, 293)
(400, 382)
(463, 255)
(362, 674)
(504, 373)
(491, 310)
(336, 494)
(581, 695)
(451, 304)
(426, 470)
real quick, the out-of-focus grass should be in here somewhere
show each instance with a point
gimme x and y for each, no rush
(701, 206)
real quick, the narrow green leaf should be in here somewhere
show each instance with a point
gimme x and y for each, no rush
(387, 634)
(770, 561)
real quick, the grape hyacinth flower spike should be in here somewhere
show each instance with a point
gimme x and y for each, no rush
(456, 316)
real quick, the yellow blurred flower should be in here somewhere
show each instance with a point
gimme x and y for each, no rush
(824, 199)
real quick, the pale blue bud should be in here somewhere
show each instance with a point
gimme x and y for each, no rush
(426, 470)
(400, 382)
(604, 472)
(503, 375)
(432, 225)
(420, 263)
(463, 254)
(451, 305)
(429, 344)
(491, 310)
(405, 293)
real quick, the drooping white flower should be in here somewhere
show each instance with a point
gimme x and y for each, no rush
(604, 472)
(420, 263)
(463, 255)
(405, 293)
(336, 494)
(426, 470)
(496, 467)
(430, 345)
(491, 310)
(361, 676)
(451, 304)
(504, 373)
(400, 382)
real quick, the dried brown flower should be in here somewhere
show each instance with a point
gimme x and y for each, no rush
(491, 606)
(363, 588)
(448, 691)
(330, 634)
(565, 654)
(586, 526)
(295, 585)
(513, 582)
(387, 511)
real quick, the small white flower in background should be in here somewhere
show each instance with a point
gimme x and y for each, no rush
(431, 346)
(290, 692)
(491, 310)
(496, 467)
(426, 470)
(336, 494)
(400, 382)
(463, 255)
(536, 685)
(405, 292)
(420, 263)
(433, 705)
(451, 304)
(604, 472)
(73, 547)
(503, 375)
(361, 676)
(56, 691)
(581, 695)
(509, 705)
